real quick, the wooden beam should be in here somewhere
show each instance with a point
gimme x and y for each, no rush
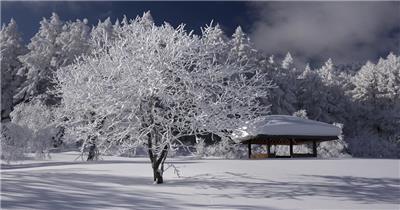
(291, 147)
(314, 148)
(249, 148)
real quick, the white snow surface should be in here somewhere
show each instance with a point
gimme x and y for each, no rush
(286, 125)
(276, 184)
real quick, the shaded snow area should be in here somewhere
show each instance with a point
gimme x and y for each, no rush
(126, 183)
(286, 125)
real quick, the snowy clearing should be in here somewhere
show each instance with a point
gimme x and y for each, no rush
(126, 183)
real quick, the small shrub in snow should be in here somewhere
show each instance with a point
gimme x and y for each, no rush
(302, 113)
(333, 149)
(200, 147)
(14, 141)
(229, 150)
(39, 119)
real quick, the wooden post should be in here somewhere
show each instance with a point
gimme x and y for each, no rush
(314, 148)
(249, 147)
(291, 148)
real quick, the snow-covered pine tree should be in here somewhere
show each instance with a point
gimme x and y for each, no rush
(55, 45)
(283, 99)
(72, 41)
(334, 97)
(366, 93)
(37, 62)
(241, 46)
(377, 89)
(153, 86)
(389, 79)
(376, 96)
(103, 33)
(310, 93)
(327, 73)
(11, 47)
(287, 62)
(391, 89)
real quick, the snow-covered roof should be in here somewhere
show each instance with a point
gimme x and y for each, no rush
(285, 125)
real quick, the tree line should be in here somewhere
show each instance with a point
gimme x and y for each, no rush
(116, 86)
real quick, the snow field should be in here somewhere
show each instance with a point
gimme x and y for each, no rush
(126, 183)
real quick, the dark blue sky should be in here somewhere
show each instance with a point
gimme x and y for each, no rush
(311, 31)
(193, 14)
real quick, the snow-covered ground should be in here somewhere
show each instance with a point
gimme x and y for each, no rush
(126, 183)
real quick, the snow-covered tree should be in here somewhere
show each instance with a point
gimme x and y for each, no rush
(282, 98)
(366, 83)
(287, 61)
(390, 77)
(320, 92)
(41, 121)
(36, 63)
(271, 59)
(333, 149)
(10, 47)
(241, 46)
(155, 85)
(14, 141)
(302, 113)
(215, 40)
(72, 41)
(55, 45)
(376, 116)
(103, 32)
(336, 102)
(326, 72)
(377, 91)
(310, 93)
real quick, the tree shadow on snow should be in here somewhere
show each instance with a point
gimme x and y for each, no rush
(357, 189)
(38, 190)
(58, 189)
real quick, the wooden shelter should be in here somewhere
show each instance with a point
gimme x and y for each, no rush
(270, 140)
(286, 130)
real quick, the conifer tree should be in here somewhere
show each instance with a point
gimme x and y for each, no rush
(56, 44)
(11, 47)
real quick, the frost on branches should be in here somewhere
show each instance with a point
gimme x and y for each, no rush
(40, 120)
(156, 84)
(32, 129)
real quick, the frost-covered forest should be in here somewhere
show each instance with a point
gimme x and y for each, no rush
(117, 88)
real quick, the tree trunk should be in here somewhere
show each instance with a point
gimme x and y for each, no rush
(154, 140)
(158, 177)
(158, 166)
(157, 162)
(92, 153)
